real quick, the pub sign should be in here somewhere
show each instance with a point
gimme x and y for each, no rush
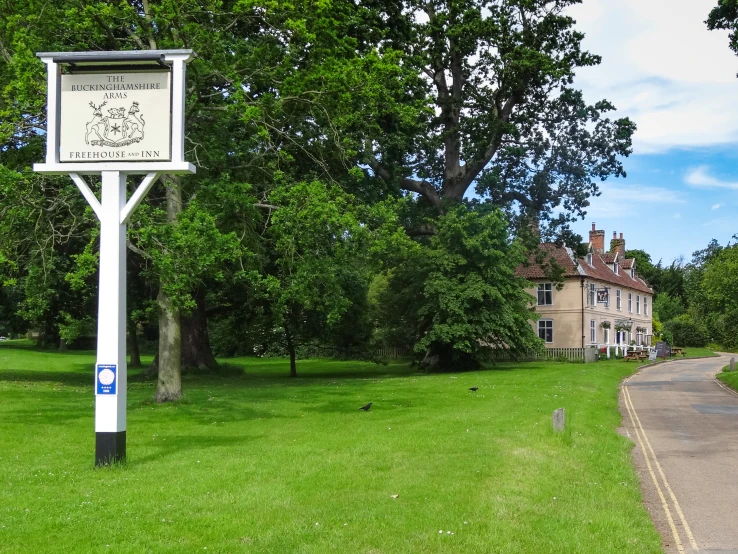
(116, 116)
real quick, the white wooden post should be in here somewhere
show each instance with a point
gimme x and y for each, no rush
(86, 155)
(110, 397)
(53, 85)
(178, 105)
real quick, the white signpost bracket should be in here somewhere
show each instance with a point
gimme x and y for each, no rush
(140, 132)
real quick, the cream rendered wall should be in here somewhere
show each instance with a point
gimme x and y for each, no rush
(566, 313)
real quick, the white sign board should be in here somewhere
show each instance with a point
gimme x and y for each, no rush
(115, 116)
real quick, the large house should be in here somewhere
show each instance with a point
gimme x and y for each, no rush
(603, 301)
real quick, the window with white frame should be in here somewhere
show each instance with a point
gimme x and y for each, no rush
(638, 303)
(630, 302)
(618, 299)
(589, 258)
(546, 329)
(592, 294)
(616, 268)
(592, 331)
(645, 305)
(545, 294)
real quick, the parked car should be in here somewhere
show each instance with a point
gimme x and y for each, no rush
(3, 338)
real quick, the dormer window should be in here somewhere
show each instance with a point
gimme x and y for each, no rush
(589, 258)
(632, 273)
(615, 268)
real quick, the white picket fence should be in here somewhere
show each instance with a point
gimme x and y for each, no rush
(504, 355)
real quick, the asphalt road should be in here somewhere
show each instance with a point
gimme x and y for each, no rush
(685, 428)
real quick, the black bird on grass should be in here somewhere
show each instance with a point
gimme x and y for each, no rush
(367, 407)
(474, 389)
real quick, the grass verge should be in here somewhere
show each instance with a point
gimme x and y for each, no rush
(262, 463)
(694, 352)
(728, 377)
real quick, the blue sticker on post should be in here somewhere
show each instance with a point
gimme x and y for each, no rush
(107, 379)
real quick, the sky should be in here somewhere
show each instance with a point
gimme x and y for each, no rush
(677, 81)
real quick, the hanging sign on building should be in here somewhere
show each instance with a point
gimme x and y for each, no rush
(115, 116)
(603, 296)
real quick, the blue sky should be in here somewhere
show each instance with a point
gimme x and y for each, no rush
(662, 68)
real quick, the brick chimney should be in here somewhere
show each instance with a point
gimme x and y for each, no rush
(618, 245)
(597, 239)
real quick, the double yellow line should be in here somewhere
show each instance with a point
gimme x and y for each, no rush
(650, 455)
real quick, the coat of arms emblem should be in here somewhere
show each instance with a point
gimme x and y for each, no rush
(118, 128)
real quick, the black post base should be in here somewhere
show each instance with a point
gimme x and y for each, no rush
(110, 448)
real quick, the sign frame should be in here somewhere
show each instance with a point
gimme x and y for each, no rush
(114, 210)
(133, 60)
(603, 296)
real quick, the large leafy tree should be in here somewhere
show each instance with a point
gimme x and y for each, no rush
(383, 97)
(252, 107)
(458, 294)
(214, 127)
(498, 115)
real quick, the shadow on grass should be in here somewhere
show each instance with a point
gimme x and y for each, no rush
(49, 410)
(82, 375)
(26, 346)
(177, 444)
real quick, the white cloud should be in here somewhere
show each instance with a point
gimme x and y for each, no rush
(662, 68)
(619, 200)
(677, 216)
(717, 206)
(700, 177)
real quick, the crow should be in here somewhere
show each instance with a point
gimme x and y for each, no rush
(474, 389)
(367, 407)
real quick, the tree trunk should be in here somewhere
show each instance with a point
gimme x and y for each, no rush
(196, 351)
(62, 345)
(133, 349)
(153, 369)
(169, 385)
(291, 350)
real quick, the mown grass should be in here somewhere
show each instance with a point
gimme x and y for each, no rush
(728, 377)
(694, 352)
(262, 463)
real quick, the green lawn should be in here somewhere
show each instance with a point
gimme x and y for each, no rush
(728, 377)
(262, 463)
(694, 352)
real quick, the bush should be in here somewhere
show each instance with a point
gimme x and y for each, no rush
(726, 330)
(686, 332)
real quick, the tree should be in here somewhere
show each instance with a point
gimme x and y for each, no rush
(645, 267)
(719, 281)
(319, 245)
(685, 331)
(724, 16)
(667, 307)
(497, 111)
(43, 226)
(238, 127)
(459, 293)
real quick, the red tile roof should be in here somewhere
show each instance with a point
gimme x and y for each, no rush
(627, 264)
(535, 268)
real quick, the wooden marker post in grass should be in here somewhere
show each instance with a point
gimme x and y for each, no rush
(732, 363)
(559, 419)
(114, 114)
